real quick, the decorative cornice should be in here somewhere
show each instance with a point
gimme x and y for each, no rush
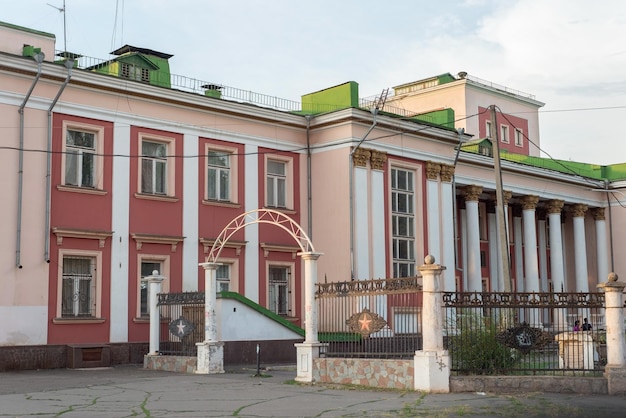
(447, 171)
(360, 157)
(207, 244)
(598, 214)
(529, 202)
(472, 193)
(294, 250)
(432, 170)
(141, 239)
(578, 210)
(61, 233)
(554, 206)
(378, 160)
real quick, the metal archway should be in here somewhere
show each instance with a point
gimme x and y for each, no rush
(267, 216)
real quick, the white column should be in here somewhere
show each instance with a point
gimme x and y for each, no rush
(557, 272)
(377, 224)
(580, 248)
(519, 247)
(602, 253)
(474, 275)
(494, 253)
(615, 369)
(154, 288)
(190, 213)
(432, 363)
(531, 265)
(309, 350)
(448, 197)
(361, 224)
(433, 209)
(251, 202)
(118, 330)
(463, 230)
(543, 254)
(210, 351)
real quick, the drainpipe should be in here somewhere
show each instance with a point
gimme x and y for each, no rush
(308, 177)
(39, 57)
(69, 63)
(351, 164)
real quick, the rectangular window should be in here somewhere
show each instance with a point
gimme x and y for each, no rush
(519, 138)
(80, 158)
(403, 222)
(222, 274)
(133, 72)
(276, 184)
(153, 167)
(488, 129)
(78, 298)
(504, 134)
(147, 267)
(218, 176)
(279, 290)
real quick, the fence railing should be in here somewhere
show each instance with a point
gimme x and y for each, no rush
(525, 333)
(370, 318)
(182, 322)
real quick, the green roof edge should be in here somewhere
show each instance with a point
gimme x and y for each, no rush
(255, 306)
(24, 29)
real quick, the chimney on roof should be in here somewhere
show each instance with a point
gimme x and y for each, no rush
(462, 74)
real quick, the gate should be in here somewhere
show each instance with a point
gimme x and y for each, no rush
(370, 318)
(182, 322)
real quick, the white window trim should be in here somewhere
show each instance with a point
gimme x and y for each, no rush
(519, 132)
(97, 277)
(98, 132)
(289, 180)
(170, 187)
(504, 134)
(233, 263)
(165, 284)
(233, 161)
(291, 294)
(488, 128)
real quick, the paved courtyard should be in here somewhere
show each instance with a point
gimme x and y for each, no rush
(131, 391)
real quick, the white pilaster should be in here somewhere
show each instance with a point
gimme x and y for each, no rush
(580, 248)
(433, 210)
(543, 255)
(191, 181)
(493, 252)
(474, 275)
(531, 264)
(120, 225)
(379, 249)
(602, 253)
(251, 202)
(447, 233)
(519, 255)
(361, 224)
(556, 245)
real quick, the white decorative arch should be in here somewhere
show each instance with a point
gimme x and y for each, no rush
(267, 216)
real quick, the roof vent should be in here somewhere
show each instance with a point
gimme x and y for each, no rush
(462, 74)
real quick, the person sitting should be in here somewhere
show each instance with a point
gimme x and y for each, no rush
(577, 325)
(586, 325)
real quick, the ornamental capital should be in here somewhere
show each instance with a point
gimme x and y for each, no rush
(579, 210)
(554, 206)
(472, 193)
(378, 160)
(447, 171)
(432, 170)
(360, 157)
(529, 202)
(598, 214)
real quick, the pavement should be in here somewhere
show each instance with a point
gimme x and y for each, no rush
(131, 391)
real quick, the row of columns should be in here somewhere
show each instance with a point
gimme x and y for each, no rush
(528, 229)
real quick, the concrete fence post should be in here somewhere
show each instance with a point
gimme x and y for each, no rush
(154, 288)
(615, 369)
(210, 351)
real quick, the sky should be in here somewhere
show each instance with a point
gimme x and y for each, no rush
(570, 54)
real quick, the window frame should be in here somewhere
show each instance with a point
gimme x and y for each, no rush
(134, 72)
(519, 137)
(407, 242)
(289, 283)
(98, 170)
(233, 170)
(97, 285)
(289, 181)
(170, 164)
(504, 134)
(488, 128)
(164, 260)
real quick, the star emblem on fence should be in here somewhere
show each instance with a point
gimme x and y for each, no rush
(366, 322)
(181, 327)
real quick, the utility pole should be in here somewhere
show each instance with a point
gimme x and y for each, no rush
(503, 240)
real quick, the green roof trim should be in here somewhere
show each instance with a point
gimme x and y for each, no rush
(255, 306)
(23, 29)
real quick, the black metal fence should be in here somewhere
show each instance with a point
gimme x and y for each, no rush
(182, 322)
(525, 333)
(370, 318)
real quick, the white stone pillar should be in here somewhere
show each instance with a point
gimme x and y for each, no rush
(602, 253)
(474, 275)
(580, 248)
(210, 351)
(531, 264)
(154, 288)
(307, 351)
(543, 253)
(615, 369)
(519, 246)
(494, 248)
(557, 273)
(432, 363)
(433, 209)
(448, 197)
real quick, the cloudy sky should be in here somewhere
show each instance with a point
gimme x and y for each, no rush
(570, 54)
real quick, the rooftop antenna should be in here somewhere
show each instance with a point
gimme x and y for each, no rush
(62, 10)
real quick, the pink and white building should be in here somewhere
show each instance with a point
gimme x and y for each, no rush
(108, 177)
